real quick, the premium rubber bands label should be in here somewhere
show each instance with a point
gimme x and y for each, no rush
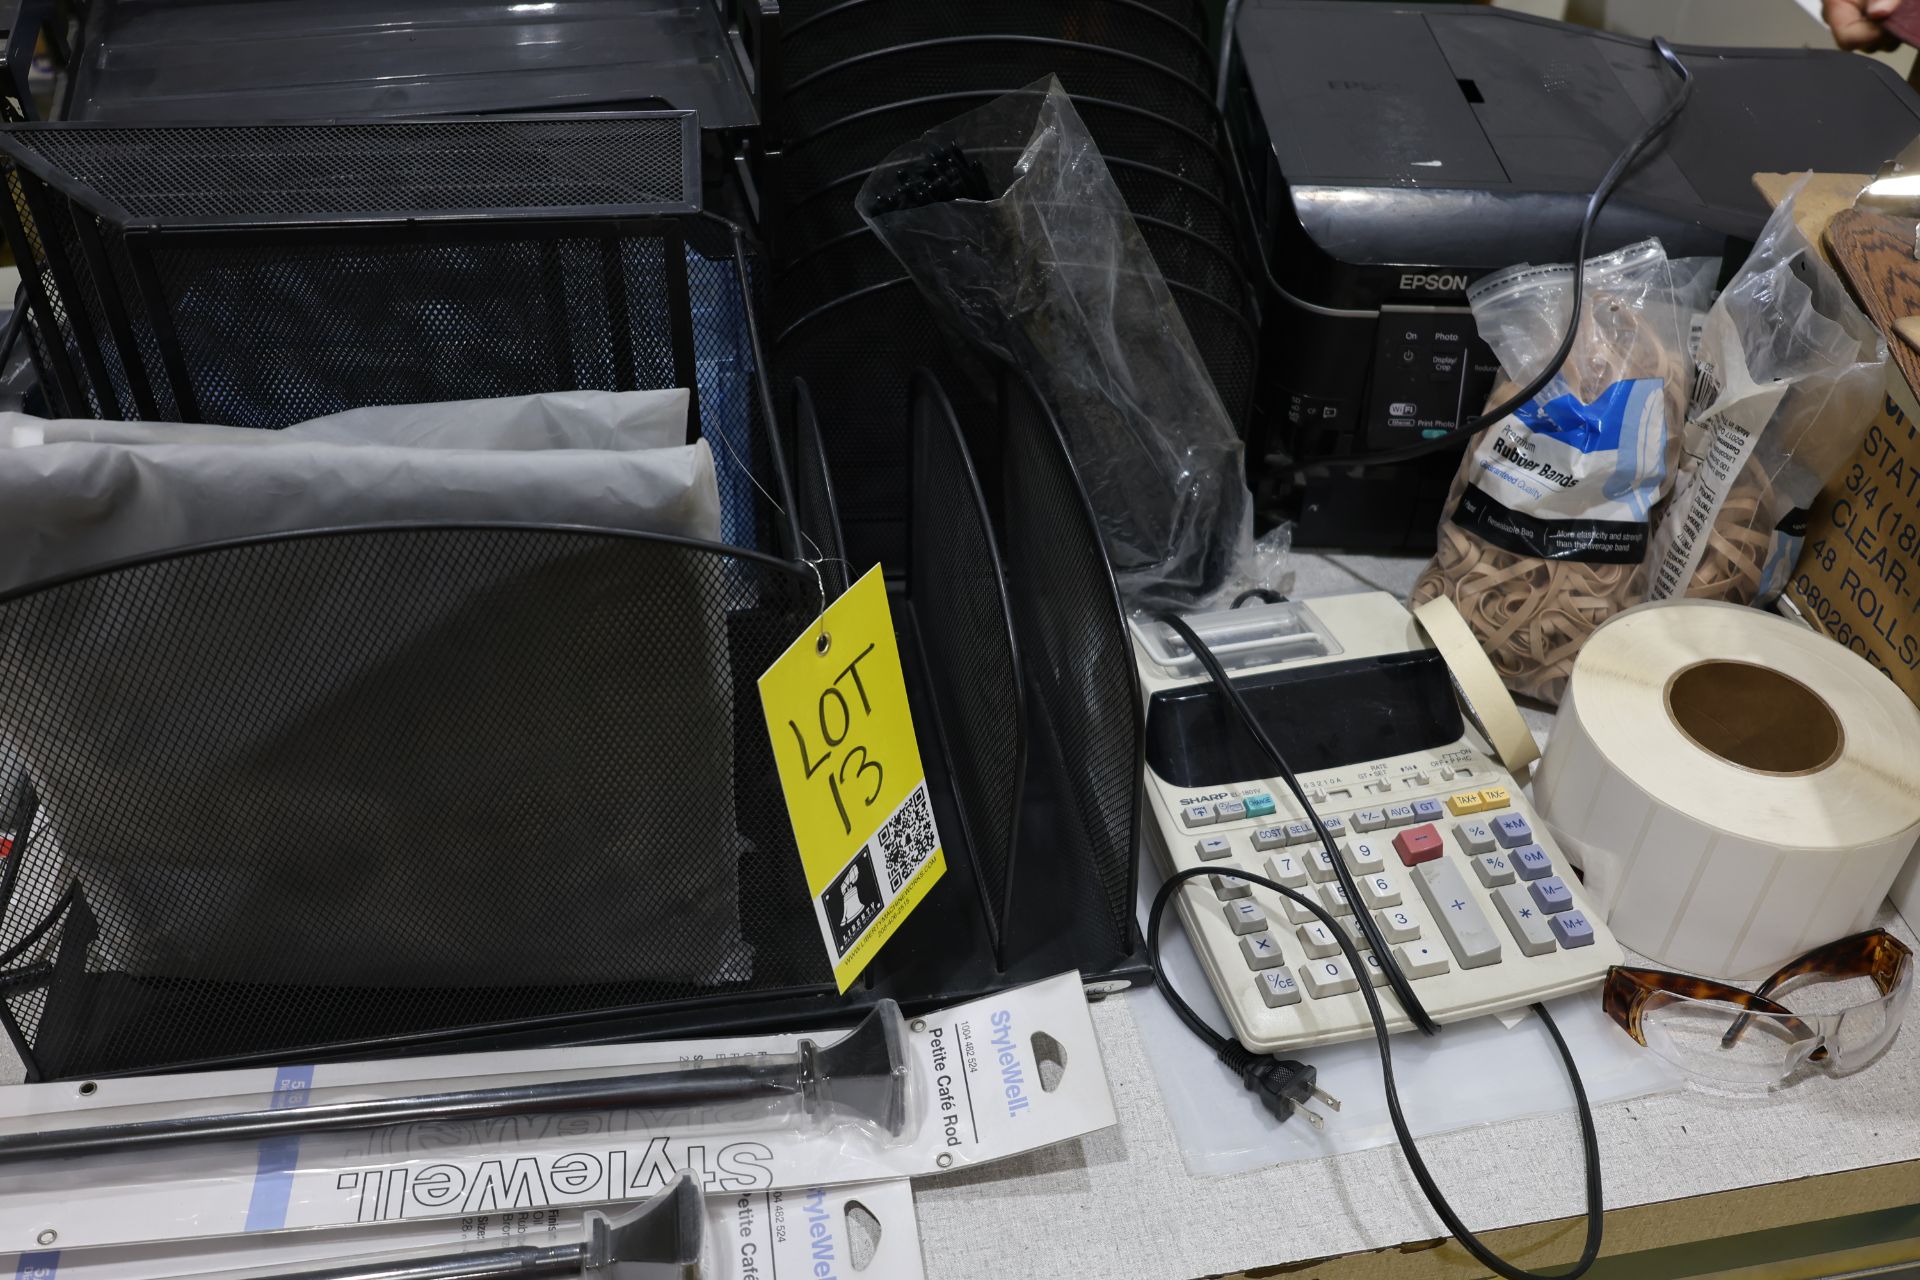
(836, 705)
(1563, 480)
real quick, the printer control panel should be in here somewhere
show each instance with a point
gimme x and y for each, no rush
(1431, 372)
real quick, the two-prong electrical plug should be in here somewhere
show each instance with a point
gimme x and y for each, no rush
(1284, 1086)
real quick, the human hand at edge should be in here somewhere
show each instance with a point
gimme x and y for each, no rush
(1856, 24)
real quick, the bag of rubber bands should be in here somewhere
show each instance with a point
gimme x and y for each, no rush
(1788, 375)
(1546, 529)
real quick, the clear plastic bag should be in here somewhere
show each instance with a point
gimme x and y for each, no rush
(1009, 221)
(1546, 527)
(1789, 376)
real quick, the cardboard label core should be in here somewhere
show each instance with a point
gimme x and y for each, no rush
(1754, 717)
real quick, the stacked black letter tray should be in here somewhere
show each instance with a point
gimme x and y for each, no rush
(858, 78)
(290, 61)
(281, 61)
(402, 788)
(258, 276)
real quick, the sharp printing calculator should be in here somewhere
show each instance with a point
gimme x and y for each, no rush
(1482, 910)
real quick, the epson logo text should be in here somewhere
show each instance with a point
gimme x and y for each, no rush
(1446, 283)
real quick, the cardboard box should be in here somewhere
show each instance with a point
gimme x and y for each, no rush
(1858, 578)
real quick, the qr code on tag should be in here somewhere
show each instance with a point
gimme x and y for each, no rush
(907, 838)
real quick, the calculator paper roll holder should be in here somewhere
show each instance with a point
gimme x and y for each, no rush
(662, 1239)
(864, 1076)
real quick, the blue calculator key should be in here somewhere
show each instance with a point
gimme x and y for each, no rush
(1429, 810)
(1512, 831)
(1572, 928)
(1260, 806)
(1531, 862)
(1552, 894)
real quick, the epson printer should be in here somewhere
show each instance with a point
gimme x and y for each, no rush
(1396, 154)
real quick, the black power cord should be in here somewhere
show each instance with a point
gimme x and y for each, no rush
(1282, 1077)
(1283, 1085)
(1535, 385)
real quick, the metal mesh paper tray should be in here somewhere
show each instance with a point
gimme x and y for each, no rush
(188, 62)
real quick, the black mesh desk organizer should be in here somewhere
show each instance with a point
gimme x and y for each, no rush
(405, 788)
(190, 62)
(257, 276)
(381, 790)
(145, 62)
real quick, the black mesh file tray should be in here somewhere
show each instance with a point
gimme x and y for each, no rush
(192, 62)
(416, 788)
(257, 276)
(1040, 723)
(357, 786)
(982, 706)
(857, 354)
(1073, 634)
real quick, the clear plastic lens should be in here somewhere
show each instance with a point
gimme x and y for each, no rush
(1692, 1034)
(1862, 1031)
(1850, 1020)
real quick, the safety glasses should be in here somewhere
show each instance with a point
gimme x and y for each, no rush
(1851, 995)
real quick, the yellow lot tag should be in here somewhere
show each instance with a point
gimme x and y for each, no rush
(851, 771)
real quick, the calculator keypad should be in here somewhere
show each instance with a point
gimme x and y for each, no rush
(1457, 884)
